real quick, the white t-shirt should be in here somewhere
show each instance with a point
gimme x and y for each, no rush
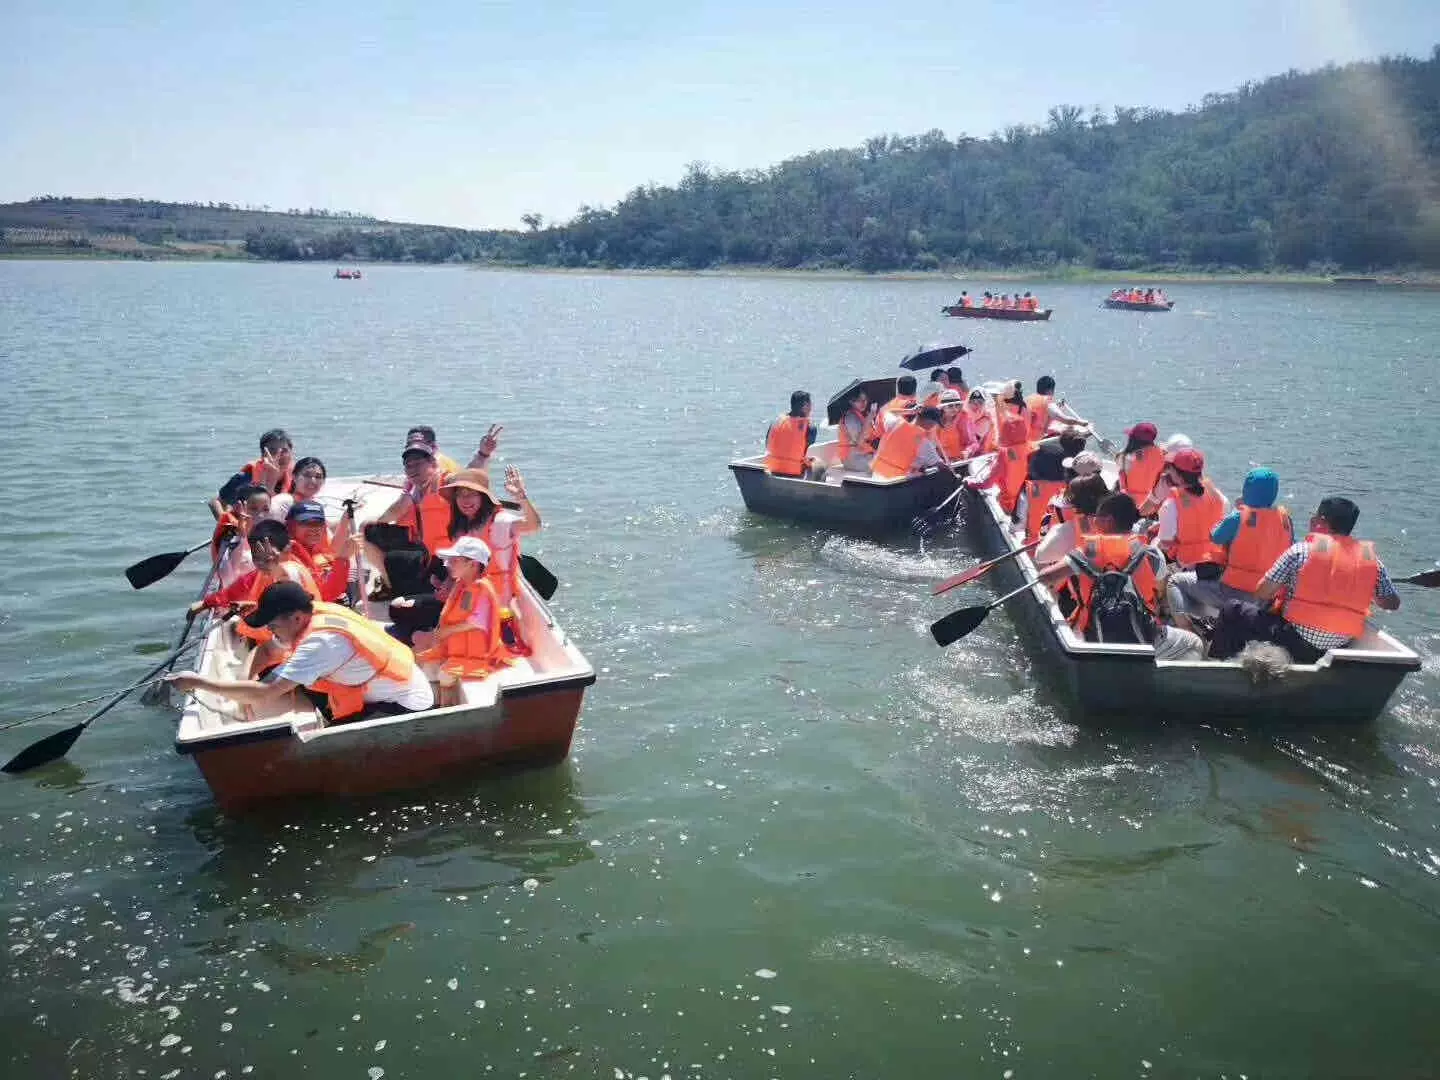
(504, 546)
(329, 655)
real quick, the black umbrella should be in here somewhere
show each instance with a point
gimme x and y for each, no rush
(933, 356)
(879, 391)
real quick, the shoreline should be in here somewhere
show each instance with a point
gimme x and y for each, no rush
(1382, 279)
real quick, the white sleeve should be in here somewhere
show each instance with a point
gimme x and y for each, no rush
(319, 655)
(1169, 521)
(1058, 543)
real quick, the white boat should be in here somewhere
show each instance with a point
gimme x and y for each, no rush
(524, 714)
(1350, 684)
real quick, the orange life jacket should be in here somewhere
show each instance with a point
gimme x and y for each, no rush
(429, 523)
(474, 652)
(1139, 471)
(1038, 494)
(898, 405)
(1196, 518)
(953, 436)
(331, 572)
(1011, 466)
(390, 658)
(227, 525)
(1106, 551)
(286, 483)
(1039, 407)
(898, 450)
(785, 447)
(1262, 537)
(1334, 588)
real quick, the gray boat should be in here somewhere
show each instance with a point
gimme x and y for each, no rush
(1351, 684)
(853, 502)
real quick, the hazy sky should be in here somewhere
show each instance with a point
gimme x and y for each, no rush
(469, 112)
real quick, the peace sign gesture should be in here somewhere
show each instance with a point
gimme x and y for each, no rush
(490, 441)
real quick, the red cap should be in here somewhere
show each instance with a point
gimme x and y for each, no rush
(1146, 430)
(1187, 459)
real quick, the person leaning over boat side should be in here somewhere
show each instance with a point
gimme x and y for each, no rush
(1332, 578)
(910, 447)
(333, 650)
(1253, 535)
(1111, 547)
(788, 439)
(466, 642)
(851, 433)
(326, 556)
(1190, 512)
(271, 470)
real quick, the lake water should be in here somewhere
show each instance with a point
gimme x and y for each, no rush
(795, 839)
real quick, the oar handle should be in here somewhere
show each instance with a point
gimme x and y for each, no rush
(1011, 595)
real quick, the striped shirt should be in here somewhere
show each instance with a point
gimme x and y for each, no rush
(1286, 572)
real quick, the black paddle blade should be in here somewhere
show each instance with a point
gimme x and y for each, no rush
(51, 748)
(148, 571)
(957, 624)
(1429, 579)
(538, 575)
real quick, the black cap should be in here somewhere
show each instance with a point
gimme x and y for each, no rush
(282, 598)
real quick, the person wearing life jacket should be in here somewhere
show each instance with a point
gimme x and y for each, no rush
(271, 470)
(402, 541)
(361, 669)
(1046, 474)
(312, 544)
(1190, 512)
(953, 434)
(789, 438)
(466, 642)
(956, 379)
(964, 301)
(1141, 463)
(910, 447)
(1252, 535)
(898, 408)
(251, 505)
(1038, 406)
(853, 445)
(981, 422)
(1331, 581)
(1110, 546)
(1012, 462)
(307, 478)
(939, 382)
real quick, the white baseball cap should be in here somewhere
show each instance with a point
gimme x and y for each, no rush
(467, 547)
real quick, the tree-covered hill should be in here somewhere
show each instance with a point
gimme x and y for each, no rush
(1331, 168)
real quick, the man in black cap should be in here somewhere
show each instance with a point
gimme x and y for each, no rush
(335, 651)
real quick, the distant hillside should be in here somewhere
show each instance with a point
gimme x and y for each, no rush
(1336, 168)
(146, 229)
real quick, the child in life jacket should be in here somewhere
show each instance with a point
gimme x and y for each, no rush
(466, 644)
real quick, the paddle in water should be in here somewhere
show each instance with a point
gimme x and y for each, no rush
(1426, 579)
(977, 572)
(957, 624)
(148, 571)
(56, 746)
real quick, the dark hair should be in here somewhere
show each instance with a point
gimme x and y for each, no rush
(932, 414)
(1132, 444)
(244, 491)
(1191, 481)
(307, 462)
(275, 439)
(1085, 492)
(1018, 397)
(271, 532)
(1119, 508)
(905, 384)
(1071, 443)
(798, 400)
(1045, 384)
(851, 397)
(460, 525)
(1339, 513)
(956, 375)
(935, 375)
(424, 431)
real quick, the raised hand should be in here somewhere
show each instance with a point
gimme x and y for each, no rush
(490, 441)
(515, 484)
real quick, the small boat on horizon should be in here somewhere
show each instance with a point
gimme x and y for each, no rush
(1136, 305)
(347, 275)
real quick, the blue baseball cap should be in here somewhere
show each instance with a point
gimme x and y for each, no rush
(305, 511)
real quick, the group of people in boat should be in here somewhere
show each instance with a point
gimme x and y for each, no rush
(446, 554)
(1140, 296)
(1003, 301)
(1160, 558)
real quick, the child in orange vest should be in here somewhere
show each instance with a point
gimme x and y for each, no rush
(466, 643)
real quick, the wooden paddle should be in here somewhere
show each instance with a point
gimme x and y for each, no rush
(148, 571)
(957, 624)
(977, 572)
(1427, 579)
(56, 746)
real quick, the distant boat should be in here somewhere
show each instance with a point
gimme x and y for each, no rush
(1354, 281)
(1010, 314)
(1132, 305)
(349, 275)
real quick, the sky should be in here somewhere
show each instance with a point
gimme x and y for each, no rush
(474, 112)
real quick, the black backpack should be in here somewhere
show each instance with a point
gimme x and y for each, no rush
(1118, 615)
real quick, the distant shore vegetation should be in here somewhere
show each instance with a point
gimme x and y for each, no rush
(1314, 173)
